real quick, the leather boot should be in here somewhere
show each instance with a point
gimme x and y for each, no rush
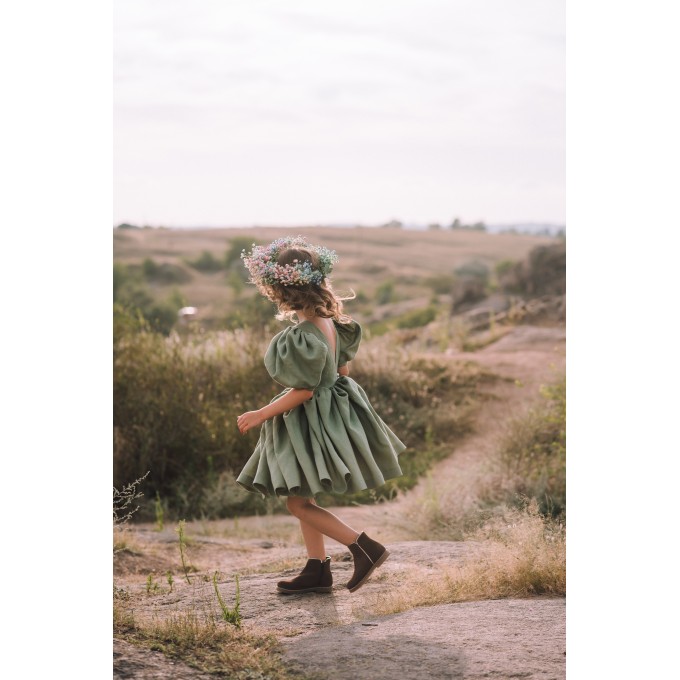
(316, 577)
(368, 555)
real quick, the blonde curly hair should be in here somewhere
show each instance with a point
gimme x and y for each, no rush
(313, 299)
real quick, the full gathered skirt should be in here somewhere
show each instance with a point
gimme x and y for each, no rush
(334, 442)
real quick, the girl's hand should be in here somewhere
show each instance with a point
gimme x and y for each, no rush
(248, 420)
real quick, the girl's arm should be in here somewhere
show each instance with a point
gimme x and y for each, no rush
(250, 419)
(285, 403)
(343, 370)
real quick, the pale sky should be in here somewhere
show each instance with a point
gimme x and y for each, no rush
(243, 112)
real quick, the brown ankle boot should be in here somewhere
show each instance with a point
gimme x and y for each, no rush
(316, 577)
(368, 555)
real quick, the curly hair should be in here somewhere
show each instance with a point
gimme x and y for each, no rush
(314, 300)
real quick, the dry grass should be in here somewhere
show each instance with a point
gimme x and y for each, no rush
(280, 529)
(124, 540)
(521, 457)
(522, 554)
(204, 642)
(368, 255)
(276, 566)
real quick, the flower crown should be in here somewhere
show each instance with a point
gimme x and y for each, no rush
(262, 263)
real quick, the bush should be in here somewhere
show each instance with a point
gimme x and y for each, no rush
(471, 283)
(255, 313)
(131, 292)
(418, 317)
(164, 273)
(175, 407)
(236, 274)
(385, 293)
(232, 257)
(206, 263)
(542, 273)
(503, 267)
(441, 284)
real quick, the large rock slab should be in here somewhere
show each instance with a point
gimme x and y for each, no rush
(470, 640)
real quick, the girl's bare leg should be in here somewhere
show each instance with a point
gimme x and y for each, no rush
(317, 522)
(313, 539)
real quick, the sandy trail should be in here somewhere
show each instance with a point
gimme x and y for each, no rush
(335, 635)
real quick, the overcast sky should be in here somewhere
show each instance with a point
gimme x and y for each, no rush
(233, 113)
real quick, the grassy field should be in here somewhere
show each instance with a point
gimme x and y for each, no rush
(393, 271)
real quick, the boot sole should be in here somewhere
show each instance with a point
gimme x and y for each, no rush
(316, 589)
(381, 559)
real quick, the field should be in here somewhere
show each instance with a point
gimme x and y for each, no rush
(391, 270)
(476, 580)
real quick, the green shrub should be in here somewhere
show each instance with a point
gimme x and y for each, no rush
(542, 273)
(474, 269)
(385, 293)
(414, 319)
(206, 262)
(162, 316)
(471, 283)
(175, 407)
(504, 266)
(232, 257)
(418, 317)
(441, 284)
(131, 292)
(164, 273)
(255, 313)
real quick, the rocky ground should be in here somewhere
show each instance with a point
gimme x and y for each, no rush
(336, 635)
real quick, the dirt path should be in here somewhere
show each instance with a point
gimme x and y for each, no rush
(335, 635)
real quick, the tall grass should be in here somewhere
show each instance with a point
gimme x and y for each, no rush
(176, 400)
(526, 461)
(519, 554)
(534, 450)
(175, 407)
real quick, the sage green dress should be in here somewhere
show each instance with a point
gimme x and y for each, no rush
(334, 442)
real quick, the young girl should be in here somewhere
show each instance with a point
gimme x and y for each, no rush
(321, 433)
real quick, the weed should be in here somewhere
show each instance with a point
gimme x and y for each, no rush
(158, 507)
(182, 549)
(123, 499)
(151, 585)
(171, 580)
(232, 616)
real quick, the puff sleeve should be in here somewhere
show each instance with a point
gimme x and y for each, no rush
(349, 335)
(296, 359)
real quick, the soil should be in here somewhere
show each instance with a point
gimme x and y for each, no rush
(336, 635)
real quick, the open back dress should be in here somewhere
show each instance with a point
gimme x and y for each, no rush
(335, 441)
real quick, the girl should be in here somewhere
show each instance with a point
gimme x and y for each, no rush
(321, 433)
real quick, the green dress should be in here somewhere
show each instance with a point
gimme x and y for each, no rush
(334, 442)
